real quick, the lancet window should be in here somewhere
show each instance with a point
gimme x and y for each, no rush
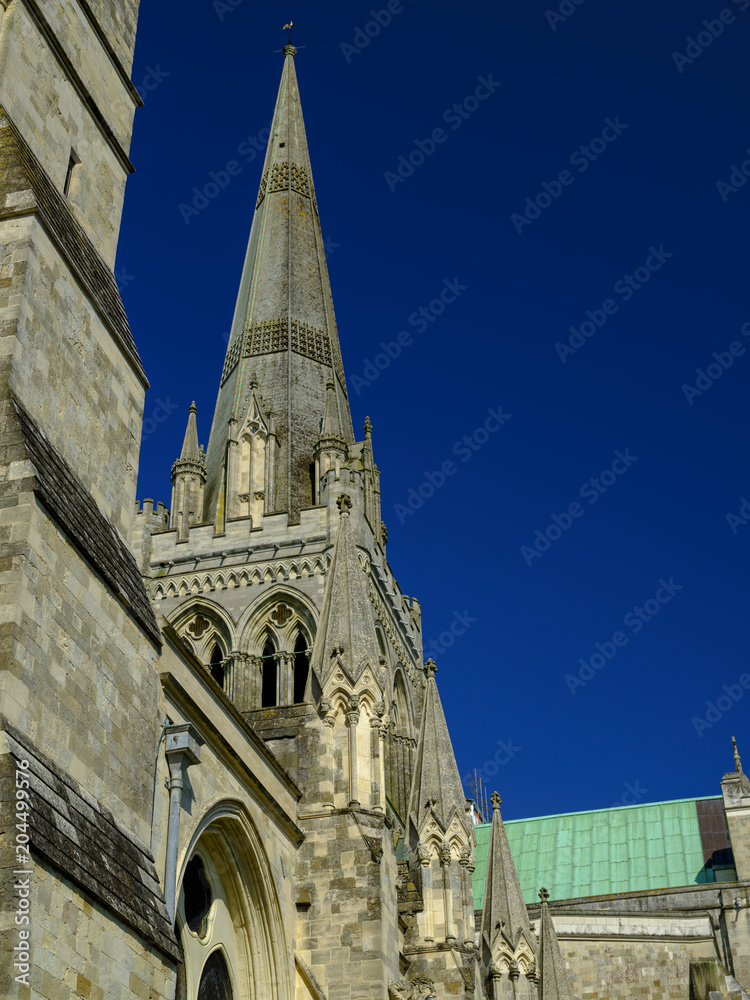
(269, 683)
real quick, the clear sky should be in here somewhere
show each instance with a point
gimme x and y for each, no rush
(571, 181)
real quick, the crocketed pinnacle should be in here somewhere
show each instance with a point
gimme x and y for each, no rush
(504, 912)
(284, 328)
(436, 784)
(190, 448)
(553, 977)
(346, 634)
(330, 426)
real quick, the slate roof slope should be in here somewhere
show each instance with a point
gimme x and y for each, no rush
(76, 511)
(605, 851)
(21, 174)
(82, 839)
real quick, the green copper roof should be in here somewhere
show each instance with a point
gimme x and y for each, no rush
(605, 851)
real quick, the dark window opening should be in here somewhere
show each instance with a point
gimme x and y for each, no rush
(215, 666)
(197, 896)
(301, 668)
(215, 982)
(72, 164)
(268, 689)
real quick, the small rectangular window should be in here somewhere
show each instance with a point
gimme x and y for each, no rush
(72, 164)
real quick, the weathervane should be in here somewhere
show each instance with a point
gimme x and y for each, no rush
(289, 27)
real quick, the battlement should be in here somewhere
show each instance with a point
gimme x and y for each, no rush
(147, 508)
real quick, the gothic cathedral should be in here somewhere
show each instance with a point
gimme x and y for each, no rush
(225, 769)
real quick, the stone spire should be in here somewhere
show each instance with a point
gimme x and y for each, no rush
(346, 635)
(505, 919)
(436, 790)
(284, 329)
(190, 447)
(188, 480)
(553, 977)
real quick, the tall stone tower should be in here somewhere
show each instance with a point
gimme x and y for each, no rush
(79, 641)
(273, 570)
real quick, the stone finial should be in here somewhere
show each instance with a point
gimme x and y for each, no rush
(368, 426)
(344, 504)
(496, 801)
(543, 894)
(430, 668)
(737, 761)
(445, 853)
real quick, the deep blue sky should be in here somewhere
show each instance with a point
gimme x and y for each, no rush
(655, 185)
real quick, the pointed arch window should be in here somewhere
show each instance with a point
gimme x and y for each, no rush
(216, 667)
(269, 684)
(301, 667)
(215, 982)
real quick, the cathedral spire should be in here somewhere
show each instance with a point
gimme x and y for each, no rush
(284, 328)
(553, 978)
(505, 920)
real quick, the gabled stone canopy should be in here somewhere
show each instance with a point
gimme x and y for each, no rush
(284, 328)
(436, 789)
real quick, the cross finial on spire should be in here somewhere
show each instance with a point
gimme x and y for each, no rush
(496, 801)
(737, 761)
(543, 894)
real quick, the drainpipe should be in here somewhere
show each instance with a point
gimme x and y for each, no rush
(183, 748)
